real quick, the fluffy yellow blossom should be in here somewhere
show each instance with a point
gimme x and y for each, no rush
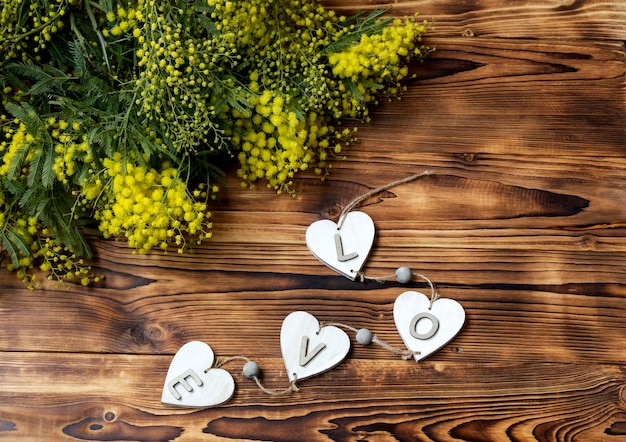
(147, 207)
(69, 147)
(375, 61)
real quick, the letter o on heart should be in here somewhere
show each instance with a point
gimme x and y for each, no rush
(433, 329)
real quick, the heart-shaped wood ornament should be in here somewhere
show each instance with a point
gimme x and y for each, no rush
(344, 250)
(191, 382)
(308, 349)
(424, 328)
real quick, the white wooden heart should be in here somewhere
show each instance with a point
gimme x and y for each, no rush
(191, 382)
(343, 250)
(308, 349)
(423, 329)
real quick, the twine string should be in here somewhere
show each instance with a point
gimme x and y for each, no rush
(230, 359)
(379, 279)
(293, 387)
(434, 294)
(356, 201)
(339, 324)
(403, 353)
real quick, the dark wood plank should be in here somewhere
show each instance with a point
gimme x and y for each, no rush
(115, 398)
(477, 96)
(573, 20)
(533, 307)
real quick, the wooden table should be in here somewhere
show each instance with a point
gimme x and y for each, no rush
(520, 113)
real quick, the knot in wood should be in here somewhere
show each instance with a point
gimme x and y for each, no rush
(109, 416)
(588, 242)
(361, 434)
(332, 212)
(467, 157)
(149, 333)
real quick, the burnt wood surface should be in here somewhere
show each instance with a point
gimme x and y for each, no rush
(520, 115)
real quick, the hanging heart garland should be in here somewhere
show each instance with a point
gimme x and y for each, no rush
(309, 347)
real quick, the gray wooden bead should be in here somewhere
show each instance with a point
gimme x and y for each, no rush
(251, 370)
(364, 336)
(403, 275)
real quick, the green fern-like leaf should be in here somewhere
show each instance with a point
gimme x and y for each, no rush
(10, 249)
(28, 70)
(36, 164)
(45, 79)
(372, 24)
(29, 198)
(55, 211)
(203, 7)
(16, 243)
(78, 59)
(17, 161)
(236, 103)
(354, 90)
(47, 175)
(209, 25)
(31, 119)
(14, 187)
(219, 105)
(20, 239)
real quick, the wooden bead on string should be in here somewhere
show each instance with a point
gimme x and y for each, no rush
(364, 336)
(403, 275)
(251, 370)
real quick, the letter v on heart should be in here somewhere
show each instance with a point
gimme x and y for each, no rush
(344, 250)
(309, 350)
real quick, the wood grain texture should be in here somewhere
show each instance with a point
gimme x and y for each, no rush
(523, 221)
(436, 401)
(570, 19)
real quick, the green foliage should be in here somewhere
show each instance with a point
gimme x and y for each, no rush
(119, 115)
